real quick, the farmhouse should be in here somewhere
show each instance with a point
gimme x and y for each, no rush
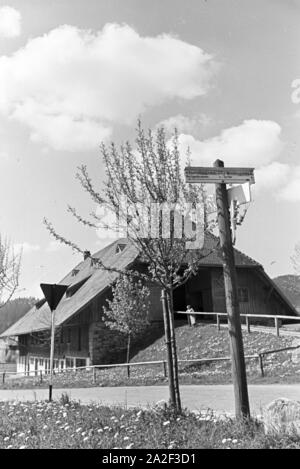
(82, 337)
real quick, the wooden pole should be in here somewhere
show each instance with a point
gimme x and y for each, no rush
(128, 355)
(277, 326)
(261, 365)
(248, 324)
(52, 353)
(232, 305)
(165, 368)
(218, 322)
(169, 350)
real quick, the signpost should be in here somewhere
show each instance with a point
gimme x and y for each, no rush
(53, 294)
(220, 176)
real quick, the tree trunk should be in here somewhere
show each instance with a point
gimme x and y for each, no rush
(169, 349)
(128, 355)
(174, 350)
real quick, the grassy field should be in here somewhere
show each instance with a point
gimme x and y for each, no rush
(70, 425)
(203, 341)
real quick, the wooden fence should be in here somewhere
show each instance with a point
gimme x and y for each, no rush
(41, 375)
(277, 318)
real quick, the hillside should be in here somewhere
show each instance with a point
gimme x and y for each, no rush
(202, 341)
(14, 310)
(290, 286)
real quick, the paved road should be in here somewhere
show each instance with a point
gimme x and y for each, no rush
(217, 397)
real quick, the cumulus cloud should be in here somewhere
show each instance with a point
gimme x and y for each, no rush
(26, 248)
(254, 143)
(54, 246)
(185, 124)
(291, 191)
(272, 176)
(10, 22)
(70, 86)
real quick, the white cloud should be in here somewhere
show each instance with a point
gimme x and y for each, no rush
(10, 22)
(291, 191)
(254, 143)
(185, 124)
(70, 85)
(26, 247)
(54, 246)
(272, 176)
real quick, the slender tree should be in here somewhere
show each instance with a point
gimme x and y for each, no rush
(161, 215)
(10, 263)
(128, 310)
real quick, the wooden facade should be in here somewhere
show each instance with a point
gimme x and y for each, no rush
(84, 339)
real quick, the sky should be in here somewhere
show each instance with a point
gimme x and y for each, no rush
(74, 73)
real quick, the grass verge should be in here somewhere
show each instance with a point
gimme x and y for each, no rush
(70, 425)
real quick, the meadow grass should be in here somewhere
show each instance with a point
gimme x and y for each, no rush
(70, 425)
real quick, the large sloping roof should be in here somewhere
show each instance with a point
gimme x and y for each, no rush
(97, 281)
(94, 281)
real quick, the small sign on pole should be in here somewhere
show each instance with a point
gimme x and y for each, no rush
(218, 175)
(241, 193)
(53, 294)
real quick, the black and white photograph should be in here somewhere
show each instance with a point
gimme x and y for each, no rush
(149, 227)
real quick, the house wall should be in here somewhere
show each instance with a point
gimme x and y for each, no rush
(261, 299)
(71, 346)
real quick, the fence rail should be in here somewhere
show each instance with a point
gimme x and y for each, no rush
(259, 356)
(276, 318)
(33, 373)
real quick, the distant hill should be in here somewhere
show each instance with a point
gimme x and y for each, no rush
(290, 286)
(14, 310)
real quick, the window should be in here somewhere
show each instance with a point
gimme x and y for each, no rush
(243, 295)
(69, 336)
(120, 248)
(62, 336)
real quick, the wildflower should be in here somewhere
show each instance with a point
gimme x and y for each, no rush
(78, 430)
(234, 441)
(83, 433)
(86, 438)
(9, 447)
(22, 447)
(129, 446)
(100, 430)
(21, 434)
(166, 423)
(126, 438)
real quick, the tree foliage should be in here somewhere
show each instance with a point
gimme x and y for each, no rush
(128, 310)
(9, 270)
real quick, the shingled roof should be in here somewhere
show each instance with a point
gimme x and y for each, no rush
(88, 281)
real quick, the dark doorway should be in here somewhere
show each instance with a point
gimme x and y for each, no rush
(179, 301)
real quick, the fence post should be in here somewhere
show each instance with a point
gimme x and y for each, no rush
(3, 378)
(261, 365)
(248, 324)
(165, 368)
(277, 326)
(128, 371)
(41, 376)
(218, 322)
(94, 375)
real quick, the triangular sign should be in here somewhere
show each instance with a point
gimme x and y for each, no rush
(53, 293)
